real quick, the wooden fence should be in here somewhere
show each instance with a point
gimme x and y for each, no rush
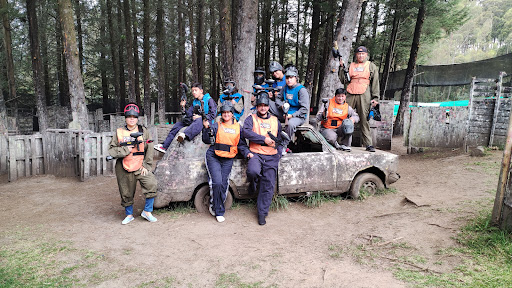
(25, 156)
(93, 152)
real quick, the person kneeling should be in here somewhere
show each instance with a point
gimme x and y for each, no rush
(227, 142)
(338, 120)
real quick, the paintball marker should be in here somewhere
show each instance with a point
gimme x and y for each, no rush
(228, 93)
(204, 118)
(285, 139)
(374, 113)
(336, 54)
(184, 90)
(324, 115)
(135, 142)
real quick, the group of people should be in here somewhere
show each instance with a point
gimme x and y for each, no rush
(267, 138)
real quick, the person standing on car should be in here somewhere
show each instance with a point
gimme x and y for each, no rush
(262, 167)
(363, 90)
(134, 163)
(333, 123)
(228, 142)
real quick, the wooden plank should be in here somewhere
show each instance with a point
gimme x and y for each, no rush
(103, 154)
(26, 155)
(484, 94)
(13, 169)
(33, 155)
(483, 80)
(496, 108)
(86, 157)
(98, 154)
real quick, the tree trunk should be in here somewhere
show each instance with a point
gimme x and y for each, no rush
(398, 128)
(360, 29)
(6, 25)
(327, 45)
(121, 46)
(181, 43)
(213, 50)
(44, 52)
(390, 53)
(136, 53)
(375, 19)
(129, 51)
(146, 55)
(103, 60)
(284, 32)
(297, 43)
(193, 46)
(347, 20)
(267, 16)
(226, 47)
(160, 69)
(313, 47)
(37, 66)
(244, 52)
(62, 75)
(76, 84)
(78, 11)
(200, 41)
(114, 55)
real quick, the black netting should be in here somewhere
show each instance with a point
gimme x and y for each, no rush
(453, 75)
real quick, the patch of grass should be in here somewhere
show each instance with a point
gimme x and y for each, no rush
(386, 191)
(176, 209)
(488, 263)
(164, 282)
(279, 202)
(47, 263)
(316, 199)
(233, 280)
(335, 251)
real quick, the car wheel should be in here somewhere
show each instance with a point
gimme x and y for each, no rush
(202, 200)
(365, 184)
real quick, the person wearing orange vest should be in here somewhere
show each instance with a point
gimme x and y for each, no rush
(262, 166)
(229, 141)
(362, 90)
(332, 117)
(134, 163)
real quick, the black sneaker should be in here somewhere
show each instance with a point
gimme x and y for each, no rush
(261, 220)
(370, 148)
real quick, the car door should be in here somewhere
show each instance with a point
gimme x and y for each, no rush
(312, 167)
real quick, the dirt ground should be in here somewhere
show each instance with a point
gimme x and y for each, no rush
(340, 244)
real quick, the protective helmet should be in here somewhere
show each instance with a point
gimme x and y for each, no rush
(227, 106)
(262, 99)
(274, 66)
(229, 82)
(131, 110)
(361, 49)
(259, 79)
(347, 126)
(292, 71)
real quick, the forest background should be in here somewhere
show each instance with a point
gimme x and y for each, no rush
(140, 50)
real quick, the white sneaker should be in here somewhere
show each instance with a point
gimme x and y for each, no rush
(211, 210)
(345, 148)
(181, 137)
(160, 147)
(128, 219)
(220, 219)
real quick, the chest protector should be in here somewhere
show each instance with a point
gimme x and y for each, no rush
(226, 140)
(335, 114)
(134, 160)
(261, 127)
(237, 97)
(291, 95)
(359, 77)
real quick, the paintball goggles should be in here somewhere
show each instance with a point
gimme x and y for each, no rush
(228, 93)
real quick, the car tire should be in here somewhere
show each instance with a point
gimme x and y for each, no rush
(202, 200)
(367, 181)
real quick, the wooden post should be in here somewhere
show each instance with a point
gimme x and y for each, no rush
(502, 182)
(98, 154)
(471, 95)
(152, 122)
(13, 169)
(496, 108)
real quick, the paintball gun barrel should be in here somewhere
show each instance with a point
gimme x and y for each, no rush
(204, 118)
(336, 54)
(285, 139)
(135, 143)
(324, 115)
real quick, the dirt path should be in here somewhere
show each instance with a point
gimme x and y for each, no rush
(343, 244)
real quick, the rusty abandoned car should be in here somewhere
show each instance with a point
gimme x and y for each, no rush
(313, 166)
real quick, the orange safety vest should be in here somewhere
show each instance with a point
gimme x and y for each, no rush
(262, 126)
(134, 160)
(335, 114)
(226, 140)
(359, 77)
